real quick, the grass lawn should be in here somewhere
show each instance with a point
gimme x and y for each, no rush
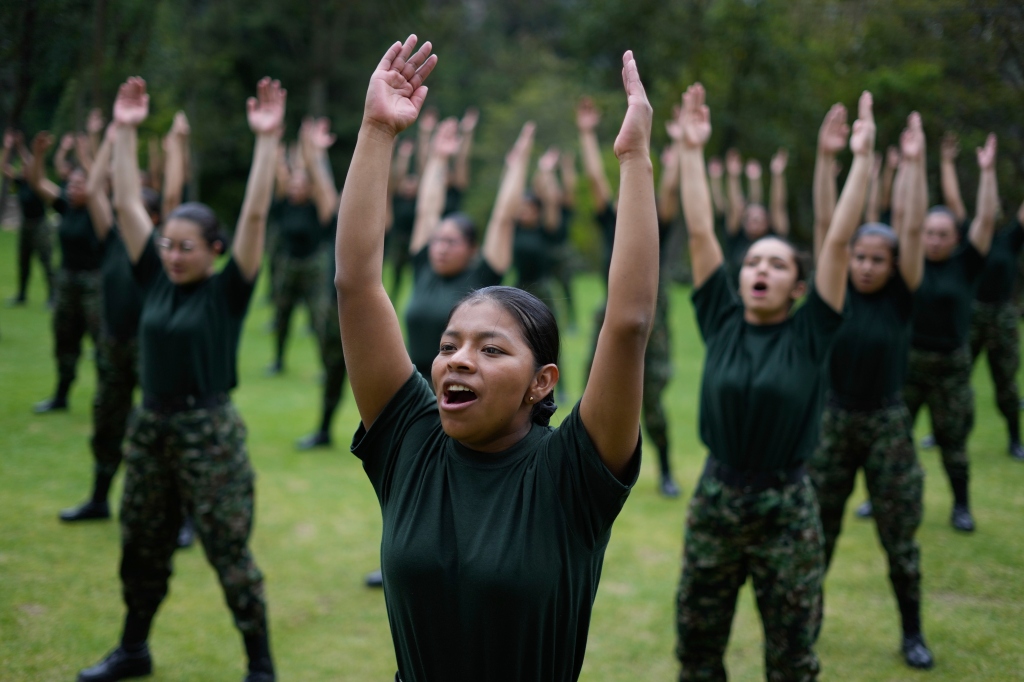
(318, 529)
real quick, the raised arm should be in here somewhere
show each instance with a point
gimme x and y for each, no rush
(375, 353)
(892, 160)
(175, 144)
(130, 109)
(587, 119)
(912, 181)
(834, 259)
(424, 133)
(668, 185)
(984, 221)
(610, 407)
(705, 251)
(83, 151)
(467, 128)
(430, 195)
(497, 250)
(871, 212)
(37, 180)
(948, 179)
(265, 113)
(156, 162)
(97, 185)
(777, 193)
(317, 138)
(755, 192)
(60, 160)
(715, 172)
(734, 191)
(831, 140)
(5, 156)
(94, 128)
(545, 186)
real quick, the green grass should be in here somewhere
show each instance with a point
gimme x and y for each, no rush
(318, 525)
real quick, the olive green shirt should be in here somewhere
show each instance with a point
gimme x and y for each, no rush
(996, 284)
(80, 248)
(942, 304)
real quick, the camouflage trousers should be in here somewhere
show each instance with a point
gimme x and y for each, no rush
(657, 373)
(77, 309)
(118, 364)
(34, 238)
(942, 381)
(563, 267)
(193, 461)
(773, 536)
(878, 441)
(994, 330)
(300, 280)
(332, 356)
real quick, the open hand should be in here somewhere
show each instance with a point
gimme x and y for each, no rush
(320, 135)
(912, 138)
(67, 141)
(265, 111)
(834, 131)
(9, 138)
(180, 126)
(406, 148)
(520, 152)
(674, 126)
(696, 122)
(587, 116)
(396, 92)
(987, 153)
(715, 167)
(94, 122)
(469, 120)
(892, 156)
(862, 140)
(43, 141)
(548, 161)
(752, 170)
(446, 140)
(428, 121)
(733, 162)
(132, 104)
(950, 146)
(779, 161)
(635, 134)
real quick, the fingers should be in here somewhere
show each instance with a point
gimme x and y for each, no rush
(865, 107)
(404, 52)
(421, 73)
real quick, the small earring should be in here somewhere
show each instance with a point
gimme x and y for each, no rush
(531, 398)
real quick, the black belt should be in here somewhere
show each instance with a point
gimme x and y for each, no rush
(183, 403)
(752, 481)
(866, 405)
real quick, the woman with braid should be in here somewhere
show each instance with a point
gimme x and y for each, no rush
(754, 512)
(495, 524)
(187, 443)
(865, 424)
(939, 373)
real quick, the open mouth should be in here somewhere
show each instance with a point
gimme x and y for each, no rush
(760, 287)
(457, 395)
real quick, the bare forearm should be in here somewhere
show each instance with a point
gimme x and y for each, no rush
(359, 252)
(593, 166)
(885, 189)
(460, 175)
(780, 216)
(951, 189)
(988, 204)
(668, 190)
(834, 259)
(430, 200)
(737, 203)
(705, 251)
(61, 163)
(497, 250)
(247, 248)
(133, 221)
(824, 197)
(632, 290)
(173, 176)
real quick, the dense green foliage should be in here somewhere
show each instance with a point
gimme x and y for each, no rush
(771, 67)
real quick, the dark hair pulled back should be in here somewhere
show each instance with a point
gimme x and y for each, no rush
(878, 230)
(203, 216)
(800, 257)
(465, 225)
(538, 327)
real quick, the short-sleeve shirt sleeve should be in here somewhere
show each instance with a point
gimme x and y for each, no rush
(816, 322)
(715, 302)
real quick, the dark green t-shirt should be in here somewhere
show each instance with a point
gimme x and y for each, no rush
(996, 284)
(491, 561)
(80, 249)
(188, 335)
(869, 358)
(32, 206)
(942, 304)
(299, 228)
(403, 215)
(433, 297)
(531, 254)
(452, 200)
(122, 298)
(761, 397)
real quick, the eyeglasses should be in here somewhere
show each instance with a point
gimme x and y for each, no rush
(185, 245)
(447, 241)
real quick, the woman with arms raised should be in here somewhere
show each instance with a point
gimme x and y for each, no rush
(754, 512)
(186, 447)
(495, 525)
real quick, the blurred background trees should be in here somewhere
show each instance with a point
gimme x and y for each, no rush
(771, 68)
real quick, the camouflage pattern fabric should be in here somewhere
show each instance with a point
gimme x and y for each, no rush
(773, 536)
(34, 238)
(77, 309)
(331, 355)
(299, 280)
(196, 462)
(118, 368)
(657, 373)
(994, 330)
(878, 441)
(942, 381)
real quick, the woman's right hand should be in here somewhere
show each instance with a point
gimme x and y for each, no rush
(696, 122)
(132, 104)
(396, 91)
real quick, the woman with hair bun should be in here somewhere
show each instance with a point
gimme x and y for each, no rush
(495, 524)
(186, 449)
